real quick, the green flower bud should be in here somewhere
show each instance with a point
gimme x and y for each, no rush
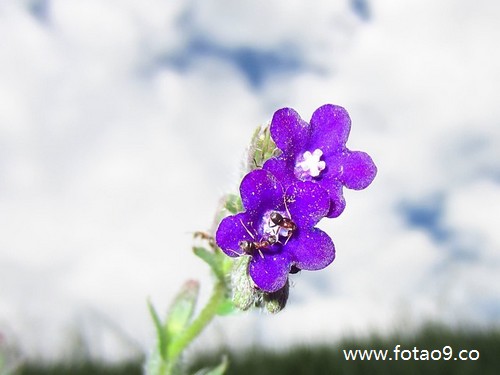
(245, 294)
(276, 301)
(261, 148)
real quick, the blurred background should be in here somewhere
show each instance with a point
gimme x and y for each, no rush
(123, 122)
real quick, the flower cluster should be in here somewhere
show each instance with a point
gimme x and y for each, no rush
(292, 191)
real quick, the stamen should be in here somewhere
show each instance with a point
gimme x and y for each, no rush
(310, 165)
(248, 231)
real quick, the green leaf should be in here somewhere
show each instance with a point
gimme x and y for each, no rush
(155, 363)
(161, 335)
(227, 263)
(212, 260)
(181, 310)
(219, 370)
(226, 307)
(233, 203)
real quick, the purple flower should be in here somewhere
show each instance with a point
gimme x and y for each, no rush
(316, 152)
(273, 248)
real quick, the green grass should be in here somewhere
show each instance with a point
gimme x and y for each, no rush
(82, 368)
(329, 359)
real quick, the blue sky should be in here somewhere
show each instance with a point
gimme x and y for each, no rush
(123, 122)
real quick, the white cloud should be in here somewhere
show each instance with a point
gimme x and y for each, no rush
(266, 24)
(475, 209)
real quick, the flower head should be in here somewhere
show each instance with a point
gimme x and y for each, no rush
(316, 152)
(277, 229)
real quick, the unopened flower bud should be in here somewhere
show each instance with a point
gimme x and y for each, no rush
(244, 292)
(261, 148)
(276, 301)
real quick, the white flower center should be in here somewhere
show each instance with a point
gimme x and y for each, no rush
(310, 165)
(271, 229)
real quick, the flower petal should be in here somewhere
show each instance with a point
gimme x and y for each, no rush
(288, 130)
(259, 189)
(337, 202)
(332, 184)
(282, 169)
(358, 170)
(330, 127)
(232, 230)
(307, 203)
(270, 272)
(312, 250)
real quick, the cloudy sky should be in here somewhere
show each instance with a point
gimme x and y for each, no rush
(123, 122)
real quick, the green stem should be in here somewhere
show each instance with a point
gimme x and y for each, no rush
(194, 329)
